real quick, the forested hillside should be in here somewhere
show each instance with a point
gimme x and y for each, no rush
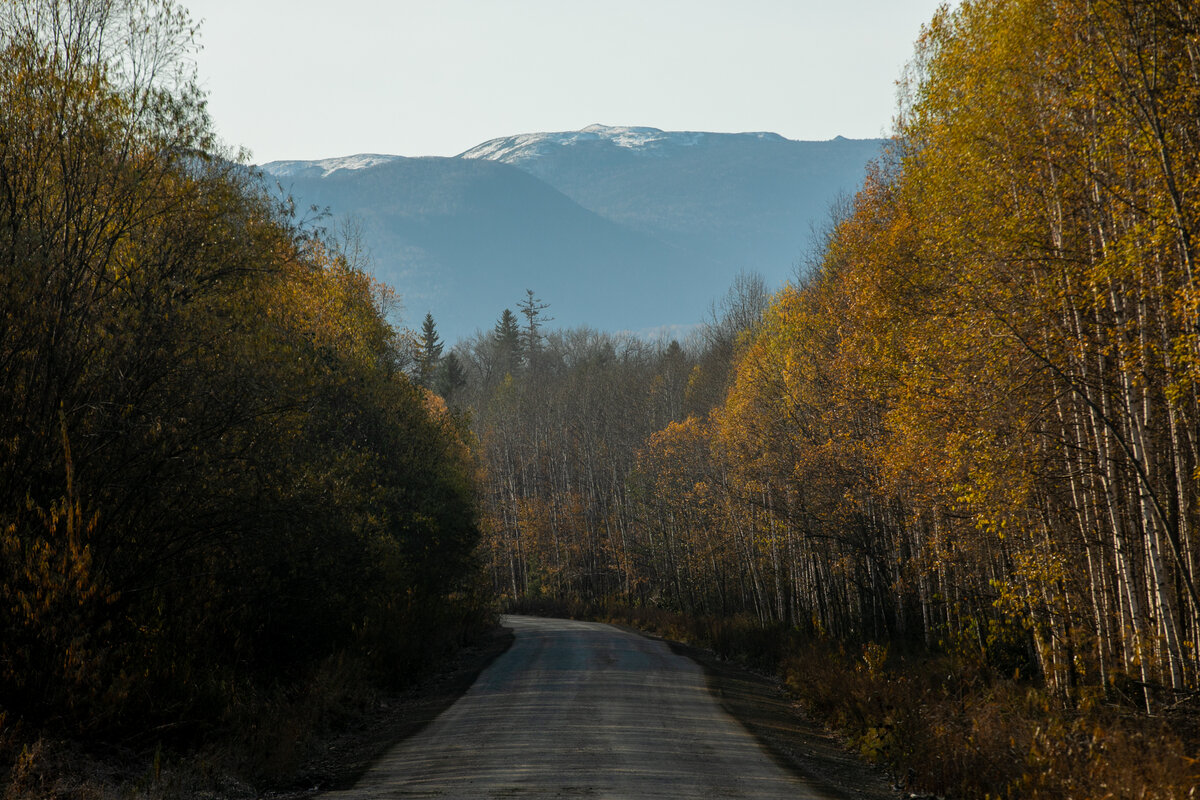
(215, 480)
(971, 429)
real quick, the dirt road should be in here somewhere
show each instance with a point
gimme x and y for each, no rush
(580, 709)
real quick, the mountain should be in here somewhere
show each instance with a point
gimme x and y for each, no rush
(747, 199)
(464, 239)
(617, 228)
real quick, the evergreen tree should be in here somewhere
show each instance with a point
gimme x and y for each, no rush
(450, 378)
(506, 337)
(430, 355)
(530, 336)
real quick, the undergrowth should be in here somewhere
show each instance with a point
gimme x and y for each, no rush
(258, 739)
(944, 725)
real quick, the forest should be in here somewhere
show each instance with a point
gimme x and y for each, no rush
(977, 414)
(953, 469)
(970, 427)
(217, 484)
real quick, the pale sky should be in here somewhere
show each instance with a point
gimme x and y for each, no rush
(304, 79)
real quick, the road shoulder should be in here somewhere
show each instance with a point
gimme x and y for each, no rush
(339, 761)
(781, 726)
(756, 701)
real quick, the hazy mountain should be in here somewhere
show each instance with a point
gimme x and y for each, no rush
(464, 239)
(618, 228)
(747, 199)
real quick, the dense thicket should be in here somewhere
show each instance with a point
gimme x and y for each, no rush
(973, 425)
(213, 474)
(559, 424)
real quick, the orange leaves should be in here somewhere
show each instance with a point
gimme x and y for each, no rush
(677, 461)
(319, 297)
(997, 356)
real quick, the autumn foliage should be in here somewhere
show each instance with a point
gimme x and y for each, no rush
(214, 477)
(973, 428)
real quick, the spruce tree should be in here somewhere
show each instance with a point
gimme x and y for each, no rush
(507, 338)
(450, 378)
(430, 355)
(530, 336)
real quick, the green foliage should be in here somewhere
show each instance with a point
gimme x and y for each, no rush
(451, 378)
(506, 338)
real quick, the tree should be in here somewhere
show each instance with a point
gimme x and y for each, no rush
(429, 355)
(531, 338)
(974, 421)
(730, 321)
(211, 472)
(450, 379)
(506, 340)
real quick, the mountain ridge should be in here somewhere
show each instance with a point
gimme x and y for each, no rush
(639, 139)
(617, 227)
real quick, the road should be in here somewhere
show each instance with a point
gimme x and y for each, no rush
(580, 709)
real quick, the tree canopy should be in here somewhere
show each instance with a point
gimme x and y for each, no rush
(212, 470)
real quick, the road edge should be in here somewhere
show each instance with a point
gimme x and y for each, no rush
(340, 761)
(760, 705)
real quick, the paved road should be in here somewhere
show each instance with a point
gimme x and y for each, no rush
(580, 709)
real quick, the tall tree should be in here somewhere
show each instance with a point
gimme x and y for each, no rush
(211, 472)
(506, 341)
(451, 378)
(531, 336)
(429, 355)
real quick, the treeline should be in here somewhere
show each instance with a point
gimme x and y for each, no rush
(973, 426)
(560, 416)
(214, 476)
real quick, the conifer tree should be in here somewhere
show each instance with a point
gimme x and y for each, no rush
(430, 355)
(531, 337)
(506, 337)
(450, 378)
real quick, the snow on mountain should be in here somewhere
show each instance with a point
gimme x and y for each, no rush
(326, 166)
(526, 147)
(645, 141)
(621, 228)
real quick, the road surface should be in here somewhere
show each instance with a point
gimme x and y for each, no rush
(580, 709)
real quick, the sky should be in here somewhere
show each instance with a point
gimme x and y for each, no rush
(301, 79)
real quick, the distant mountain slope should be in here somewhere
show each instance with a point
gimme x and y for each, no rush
(749, 199)
(464, 239)
(326, 166)
(618, 228)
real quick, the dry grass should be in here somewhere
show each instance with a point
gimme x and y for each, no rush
(955, 732)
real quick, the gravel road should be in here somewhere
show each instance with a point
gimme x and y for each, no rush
(581, 709)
